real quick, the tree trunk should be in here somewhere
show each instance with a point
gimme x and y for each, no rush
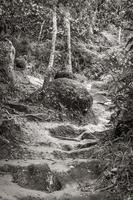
(68, 34)
(119, 35)
(40, 33)
(49, 73)
(93, 21)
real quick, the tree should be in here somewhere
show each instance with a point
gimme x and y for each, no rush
(65, 8)
(49, 72)
(68, 36)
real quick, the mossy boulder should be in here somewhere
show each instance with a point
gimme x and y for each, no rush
(7, 74)
(36, 177)
(7, 55)
(20, 63)
(64, 74)
(64, 93)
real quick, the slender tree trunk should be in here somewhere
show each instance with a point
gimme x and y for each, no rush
(49, 73)
(52, 55)
(119, 35)
(93, 21)
(68, 34)
(40, 33)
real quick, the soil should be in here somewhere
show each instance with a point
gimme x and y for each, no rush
(52, 159)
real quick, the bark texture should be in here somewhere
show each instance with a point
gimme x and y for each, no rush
(68, 35)
(49, 73)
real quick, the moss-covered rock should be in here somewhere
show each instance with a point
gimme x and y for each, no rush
(64, 74)
(63, 93)
(7, 55)
(37, 177)
(20, 63)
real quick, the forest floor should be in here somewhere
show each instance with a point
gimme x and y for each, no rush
(55, 160)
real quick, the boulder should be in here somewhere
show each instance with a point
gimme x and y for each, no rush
(64, 93)
(20, 63)
(7, 55)
(22, 47)
(64, 74)
(37, 177)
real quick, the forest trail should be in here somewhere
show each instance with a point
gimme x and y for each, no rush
(57, 160)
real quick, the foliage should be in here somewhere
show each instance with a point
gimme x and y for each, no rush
(116, 158)
(25, 17)
(96, 50)
(121, 87)
(116, 147)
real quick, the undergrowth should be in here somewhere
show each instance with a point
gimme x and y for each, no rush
(116, 157)
(116, 149)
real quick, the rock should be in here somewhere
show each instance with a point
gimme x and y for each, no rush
(80, 77)
(20, 63)
(37, 177)
(68, 94)
(88, 144)
(7, 55)
(64, 131)
(64, 74)
(22, 47)
(86, 135)
(18, 106)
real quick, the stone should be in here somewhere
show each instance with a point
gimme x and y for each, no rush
(66, 93)
(64, 74)
(20, 63)
(7, 55)
(37, 177)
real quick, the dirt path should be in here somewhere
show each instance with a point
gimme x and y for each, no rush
(57, 162)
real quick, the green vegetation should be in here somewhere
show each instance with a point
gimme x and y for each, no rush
(84, 40)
